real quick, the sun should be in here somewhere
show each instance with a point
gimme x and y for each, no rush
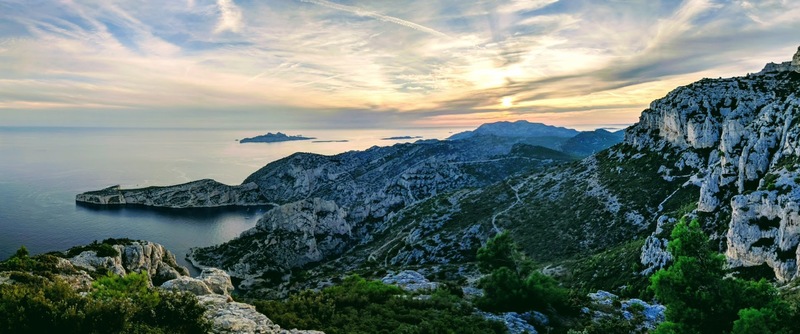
(507, 101)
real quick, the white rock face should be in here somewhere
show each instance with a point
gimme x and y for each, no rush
(739, 138)
(217, 280)
(515, 322)
(410, 280)
(653, 313)
(212, 289)
(138, 256)
(187, 284)
(796, 58)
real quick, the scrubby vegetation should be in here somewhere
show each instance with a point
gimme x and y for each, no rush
(700, 299)
(361, 306)
(511, 284)
(30, 303)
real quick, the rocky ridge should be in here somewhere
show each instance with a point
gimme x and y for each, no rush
(723, 150)
(328, 204)
(739, 140)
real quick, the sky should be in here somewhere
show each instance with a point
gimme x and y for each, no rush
(370, 64)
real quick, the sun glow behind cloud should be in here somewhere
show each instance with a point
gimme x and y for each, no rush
(411, 63)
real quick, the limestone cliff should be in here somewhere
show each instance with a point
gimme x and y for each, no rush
(133, 256)
(739, 139)
(291, 235)
(724, 150)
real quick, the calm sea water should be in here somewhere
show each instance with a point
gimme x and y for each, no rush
(42, 169)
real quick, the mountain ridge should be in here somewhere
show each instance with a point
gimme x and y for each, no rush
(692, 151)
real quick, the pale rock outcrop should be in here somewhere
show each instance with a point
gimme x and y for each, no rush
(136, 256)
(227, 316)
(294, 234)
(796, 58)
(90, 261)
(515, 322)
(765, 228)
(410, 280)
(212, 289)
(654, 253)
(793, 65)
(187, 284)
(653, 314)
(217, 280)
(739, 140)
(210, 281)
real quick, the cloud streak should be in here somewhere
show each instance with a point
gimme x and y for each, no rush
(230, 18)
(567, 61)
(386, 18)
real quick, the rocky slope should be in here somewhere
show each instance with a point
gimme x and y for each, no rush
(724, 150)
(329, 204)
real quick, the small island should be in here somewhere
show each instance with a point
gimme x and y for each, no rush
(401, 138)
(273, 138)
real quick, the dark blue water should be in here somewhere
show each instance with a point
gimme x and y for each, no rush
(42, 169)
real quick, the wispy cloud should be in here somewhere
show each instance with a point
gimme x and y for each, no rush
(386, 18)
(410, 62)
(230, 18)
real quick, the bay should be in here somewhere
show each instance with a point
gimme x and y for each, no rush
(43, 168)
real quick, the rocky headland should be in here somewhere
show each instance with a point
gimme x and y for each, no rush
(196, 194)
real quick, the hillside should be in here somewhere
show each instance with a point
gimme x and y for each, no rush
(724, 150)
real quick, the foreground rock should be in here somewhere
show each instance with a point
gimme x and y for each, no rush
(212, 286)
(133, 256)
(212, 289)
(650, 315)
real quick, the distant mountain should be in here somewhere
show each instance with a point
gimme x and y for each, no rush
(273, 138)
(516, 129)
(590, 142)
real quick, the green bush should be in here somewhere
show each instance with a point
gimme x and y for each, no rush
(511, 284)
(116, 305)
(102, 249)
(700, 300)
(361, 306)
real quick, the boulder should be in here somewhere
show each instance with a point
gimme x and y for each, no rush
(187, 284)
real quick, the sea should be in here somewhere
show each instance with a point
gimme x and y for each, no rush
(43, 168)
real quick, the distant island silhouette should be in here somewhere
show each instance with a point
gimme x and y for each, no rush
(273, 138)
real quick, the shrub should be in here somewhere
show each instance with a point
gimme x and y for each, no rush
(361, 306)
(117, 305)
(511, 284)
(101, 248)
(700, 300)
